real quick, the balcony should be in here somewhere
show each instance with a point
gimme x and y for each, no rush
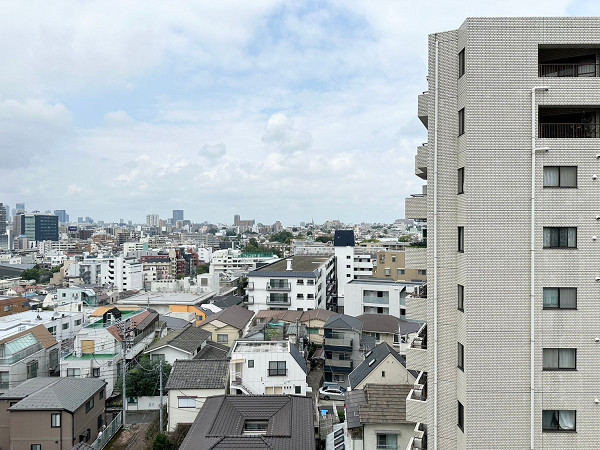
(279, 287)
(345, 363)
(568, 62)
(344, 344)
(275, 299)
(250, 286)
(415, 207)
(377, 300)
(417, 401)
(419, 441)
(568, 122)
(249, 300)
(421, 161)
(568, 70)
(22, 354)
(423, 107)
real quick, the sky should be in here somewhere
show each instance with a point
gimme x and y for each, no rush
(274, 110)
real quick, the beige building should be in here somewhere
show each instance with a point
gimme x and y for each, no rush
(391, 265)
(52, 413)
(508, 358)
(228, 325)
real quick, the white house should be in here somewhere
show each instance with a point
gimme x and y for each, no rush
(189, 384)
(267, 367)
(179, 345)
(298, 283)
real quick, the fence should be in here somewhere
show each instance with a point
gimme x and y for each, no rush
(109, 432)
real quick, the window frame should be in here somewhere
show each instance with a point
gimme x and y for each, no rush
(461, 63)
(187, 401)
(461, 239)
(461, 297)
(461, 357)
(559, 289)
(461, 121)
(53, 422)
(461, 181)
(250, 364)
(559, 186)
(277, 369)
(460, 421)
(89, 405)
(559, 368)
(220, 339)
(558, 429)
(559, 231)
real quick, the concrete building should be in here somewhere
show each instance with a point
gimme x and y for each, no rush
(508, 358)
(3, 231)
(37, 227)
(177, 215)
(342, 347)
(153, 220)
(267, 367)
(299, 283)
(391, 265)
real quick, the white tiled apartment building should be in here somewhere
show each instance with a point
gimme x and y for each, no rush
(509, 356)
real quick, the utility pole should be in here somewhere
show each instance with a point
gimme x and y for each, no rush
(123, 327)
(160, 406)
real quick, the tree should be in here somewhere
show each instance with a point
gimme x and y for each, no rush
(143, 379)
(230, 233)
(202, 268)
(283, 236)
(31, 274)
(324, 239)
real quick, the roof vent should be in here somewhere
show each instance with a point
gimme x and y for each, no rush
(371, 362)
(289, 264)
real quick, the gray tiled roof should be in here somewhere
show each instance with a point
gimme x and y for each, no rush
(66, 393)
(188, 340)
(213, 350)
(29, 387)
(235, 315)
(220, 423)
(379, 353)
(298, 357)
(174, 323)
(198, 374)
(343, 322)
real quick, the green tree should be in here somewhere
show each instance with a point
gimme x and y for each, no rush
(324, 239)
(31, 274)
(161, 442)
(283, 236)
(202, 268)
(230, 233)
(143, 379)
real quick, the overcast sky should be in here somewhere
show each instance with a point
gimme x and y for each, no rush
(274, 110)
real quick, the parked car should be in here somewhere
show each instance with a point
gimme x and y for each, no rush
(332, 393)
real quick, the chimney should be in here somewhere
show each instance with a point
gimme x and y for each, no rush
(289, 264)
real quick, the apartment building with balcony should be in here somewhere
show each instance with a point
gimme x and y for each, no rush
(391, 264)
(297, 283)
(267, 367)
(342, 347)
(508, 356)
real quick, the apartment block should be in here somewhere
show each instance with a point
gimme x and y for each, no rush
(508, 357)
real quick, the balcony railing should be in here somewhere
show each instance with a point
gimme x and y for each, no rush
(279, 287)
(419, 391)
(375, 299)
(16, 357)
(339, 363)
(344, 342)
(569, 130)
(420, 341)
(568, 70)
(278, 301)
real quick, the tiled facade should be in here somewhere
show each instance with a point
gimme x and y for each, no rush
(502, 65)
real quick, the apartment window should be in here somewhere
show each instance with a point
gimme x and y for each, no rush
(348, 256)
(73, 372)
(560, 298)
(277, 369)
(96, 372)
(348, 266)
(559, 420)
(310, 296)
(387, 441)
(387, 272)
(250, 363)
(99, 421)
(461, 180)
(186, 402)
(401, 272)
(158, 357)
(461, 122)
(461, 239)
(393, 259)
(32, 369)
(422, 272)
(298, 390)
(52, 331)
(300, 296)
(300, 282)
(461, 416)
(461, 297)
(89, 405)
(461, 63)
(78, 322)
(55, 420)
(560, 237)
(101, 395)
(560, 359)
(560, 176)
(4, 376)
(222, 338)
(461, 357)
(396, 338)
(8, 308)
(383, 374)
(65, 326)
(310, 282)
(36, 446)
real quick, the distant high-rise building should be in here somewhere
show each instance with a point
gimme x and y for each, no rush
(3, 235)
(153, 220)
(80, 219)
(37, 227)
(244, 224)
(19, 207)
(177, 215)
(62, 215)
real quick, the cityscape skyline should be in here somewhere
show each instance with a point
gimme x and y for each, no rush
(305, 109)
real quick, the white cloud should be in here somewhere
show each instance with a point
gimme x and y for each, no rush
(281, 132)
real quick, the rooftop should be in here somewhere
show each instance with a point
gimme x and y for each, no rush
(236, 316)
(302, 266)
(188, 339)
(166, 298)
(198, 374)
(372, 361)
(385, 323)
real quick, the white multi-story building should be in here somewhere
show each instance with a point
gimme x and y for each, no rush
(297, 283)
(232, 261)
(375, 296)
(509, 355)
(152, 220)
(124, 274)
(62, 325)
(267, 367)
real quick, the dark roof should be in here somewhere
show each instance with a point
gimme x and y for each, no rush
(198, 374)
(225, 301)
(212, 350)
(65, 393)
(298, 357)
(354, 400)
(384, 323)
(174, 323)
(385, 403)
(343, 238)
(188, 340)
(304, 266)
(379, 353)
(220, 423)
(236, 316)
(343, 322)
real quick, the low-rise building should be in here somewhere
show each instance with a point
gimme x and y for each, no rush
(296, 283)
(313, 320)
(375, 296)
(184, 305)
(267, 367)
(398, 333)
(384, 366)
(391, 265)
(283, 422)
(228, 325)
(13, 305)
(189, 385)
(179, 345)
(341, 347)
(52, 413)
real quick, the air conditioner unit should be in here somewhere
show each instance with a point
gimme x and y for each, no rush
(417, 443)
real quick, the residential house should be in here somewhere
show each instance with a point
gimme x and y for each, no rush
(213, 350)
(342, 347)
(282, 422)
(267, 367)
(179, 345)
(51, 413)
(228, 325)
(13, 305)
(313, 319)
(376, 417)
(396, 332)
(382, 365)
(190, 383)
(26, 351)
(183, 305)
(297, 283)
